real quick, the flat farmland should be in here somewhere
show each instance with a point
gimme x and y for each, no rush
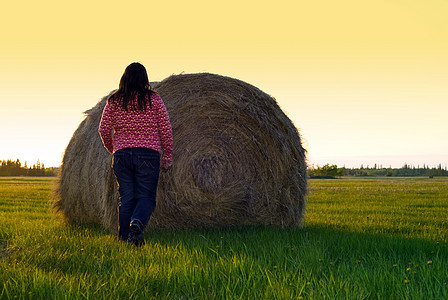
(363, 238)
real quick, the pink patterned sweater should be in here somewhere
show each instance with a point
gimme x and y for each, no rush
(148, 129)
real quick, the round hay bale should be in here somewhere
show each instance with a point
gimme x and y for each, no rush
(237, 160)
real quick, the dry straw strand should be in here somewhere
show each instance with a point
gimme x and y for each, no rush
(237, 160)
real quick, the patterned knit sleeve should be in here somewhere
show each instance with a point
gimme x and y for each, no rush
(105, 128)
(165, 133)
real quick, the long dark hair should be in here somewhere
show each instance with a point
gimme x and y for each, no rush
(133, 84)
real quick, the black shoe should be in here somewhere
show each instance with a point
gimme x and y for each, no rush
(136, 234)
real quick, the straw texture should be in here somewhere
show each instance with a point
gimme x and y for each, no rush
(237, 160)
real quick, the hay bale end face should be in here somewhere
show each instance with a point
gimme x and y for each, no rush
(237, 160)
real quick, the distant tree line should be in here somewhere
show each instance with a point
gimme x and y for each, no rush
(332, 171)
(15, 168)
(326, 171)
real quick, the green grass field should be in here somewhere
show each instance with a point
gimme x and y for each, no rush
(362, 239)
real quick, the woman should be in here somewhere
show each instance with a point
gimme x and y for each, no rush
(136, 128)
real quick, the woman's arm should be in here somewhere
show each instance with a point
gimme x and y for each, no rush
(166, 134)
(105, 128)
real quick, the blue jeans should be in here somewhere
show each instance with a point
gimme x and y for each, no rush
(137, 173)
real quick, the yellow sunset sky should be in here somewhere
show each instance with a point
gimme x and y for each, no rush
(364, 81)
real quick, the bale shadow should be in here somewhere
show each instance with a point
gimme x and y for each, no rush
(270, 244)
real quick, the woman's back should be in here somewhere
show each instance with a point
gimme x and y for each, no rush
(148, 128)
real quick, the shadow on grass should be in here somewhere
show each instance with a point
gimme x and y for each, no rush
(334, 262)
(330, 243)
(325, 257)
(325, 243)
(311, 243)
